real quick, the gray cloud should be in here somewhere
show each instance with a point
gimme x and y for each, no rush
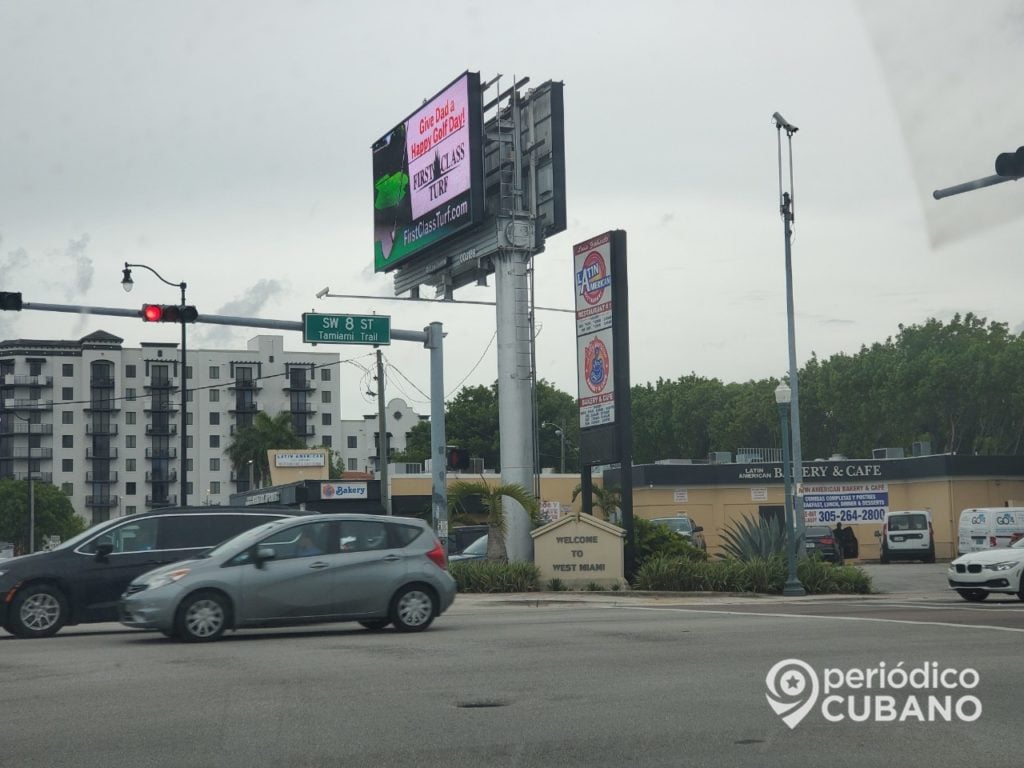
(249, 304)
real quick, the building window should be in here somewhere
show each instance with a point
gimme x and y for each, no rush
(129, 465)
(325, 419)
(129, 417)
(188, 418)
(67, 393)
(67, 441)
(130, 509)
(188, 441)
(325, 374)
(353, 465)
(188, 371)
(215, 465)
(188, 396)
(326, 439)
(215, 486)
(188, 464)
(129, 489)
(68, 489)
(325, 396)
(67, 417)
(214, 371)
(129, 372)
(129, 394)
(214, 395)
(35, 368)
(352, 440)
(215, 441)
(214, 418)
(67, 465)
(188, 488)
(129, 441)
(68, 369)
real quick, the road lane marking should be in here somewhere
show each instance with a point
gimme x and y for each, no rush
(825, 618)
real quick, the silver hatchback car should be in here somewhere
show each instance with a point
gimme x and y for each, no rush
(300, 570)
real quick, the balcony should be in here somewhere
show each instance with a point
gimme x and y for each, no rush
(160, 405)
(103, 405)
(307, 431)
(302, 408)
(15, 380)
(101, 382)
(21, 452)
(244, 407)
(45, 477)
(160, 384)
(101, 477)
(101, 429)
(101, 501)
(300, 385)
(21, 428)
(103, 454)
(169, 476)
(17, 404)
(161, 453)
(250, 385)
(162, 430)
(161, 501)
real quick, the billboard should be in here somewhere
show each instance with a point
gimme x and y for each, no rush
(594, 344)
(428, 175)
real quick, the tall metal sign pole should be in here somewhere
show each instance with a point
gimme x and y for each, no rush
(787, 208)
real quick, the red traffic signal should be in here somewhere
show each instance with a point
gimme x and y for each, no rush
(458, 458)
(168, 313)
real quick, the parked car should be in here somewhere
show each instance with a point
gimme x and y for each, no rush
(976, 575)
(823, 540)
(908, 535)
(475, 551)
(81, 580)
(311, 569)
(685, 527)
(462, 536)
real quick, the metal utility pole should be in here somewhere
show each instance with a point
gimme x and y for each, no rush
(382, 435)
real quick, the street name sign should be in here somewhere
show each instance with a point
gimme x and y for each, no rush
(346, 329)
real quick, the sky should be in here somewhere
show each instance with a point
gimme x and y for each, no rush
(227, 145)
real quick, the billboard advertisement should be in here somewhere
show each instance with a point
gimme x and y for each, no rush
(428, 175)
(594, 352)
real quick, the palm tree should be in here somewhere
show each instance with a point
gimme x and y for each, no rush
(491, 501)
(608, 500)
(250, 444)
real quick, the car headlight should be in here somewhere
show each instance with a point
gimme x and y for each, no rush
(167, 578)
(1003, 566)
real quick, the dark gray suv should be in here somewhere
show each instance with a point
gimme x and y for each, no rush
(82, 580)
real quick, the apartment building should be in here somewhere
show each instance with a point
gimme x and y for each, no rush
(102, 422)
(359, 450)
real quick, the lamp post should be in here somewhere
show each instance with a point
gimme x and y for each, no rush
(560, 431)
(250, 463)
(793, 586)
(127, 283)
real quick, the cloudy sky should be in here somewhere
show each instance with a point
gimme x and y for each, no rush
(227, 144)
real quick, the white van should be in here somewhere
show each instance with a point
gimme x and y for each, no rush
(989, 527)
(908, 535)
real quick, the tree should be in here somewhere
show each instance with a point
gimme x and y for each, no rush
(417, 444)
(491, 500)
(252, 443)
(471, 422)
(607, 500)
(54, 514)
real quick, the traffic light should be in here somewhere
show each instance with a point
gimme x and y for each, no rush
(168, 313)
(11, 301)
(458, 458)
(1011, 164)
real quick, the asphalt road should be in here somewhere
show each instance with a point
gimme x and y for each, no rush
(558, 679)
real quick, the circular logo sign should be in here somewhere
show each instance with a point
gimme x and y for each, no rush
(328, 491)
(596, 365)
(593, 278)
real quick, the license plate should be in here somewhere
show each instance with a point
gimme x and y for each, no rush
(898, 538)
(809, 545)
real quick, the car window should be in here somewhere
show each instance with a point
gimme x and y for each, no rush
(478, 547)
(363, 535)
(199, 531)
(404, 535)
(307, 540)
(131, 536)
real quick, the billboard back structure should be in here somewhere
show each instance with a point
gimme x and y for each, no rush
(428, 175)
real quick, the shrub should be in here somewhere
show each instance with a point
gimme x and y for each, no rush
(556, 585)
(488, 576)
(652, 540)
(749, 539)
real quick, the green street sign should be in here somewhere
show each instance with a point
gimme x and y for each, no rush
(346, 329)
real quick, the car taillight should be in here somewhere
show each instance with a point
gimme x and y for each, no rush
(438, 556)
(992, 541)
(826, 540)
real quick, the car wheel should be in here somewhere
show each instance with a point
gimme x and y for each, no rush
(375, 625)
(413, 608)
(1020, 589)
(973, 595)
(930, 557)
(37, 611)
(201, 617)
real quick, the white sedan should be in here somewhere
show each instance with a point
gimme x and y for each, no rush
(976, 575)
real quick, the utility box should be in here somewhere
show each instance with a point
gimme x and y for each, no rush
(580, 550)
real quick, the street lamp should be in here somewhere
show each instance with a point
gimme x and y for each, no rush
(250, 463)
(793, 587)
(560, 431)
(127, 283)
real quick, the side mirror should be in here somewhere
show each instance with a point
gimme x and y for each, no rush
(698, 528)
(103, 550)
(263, 554)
